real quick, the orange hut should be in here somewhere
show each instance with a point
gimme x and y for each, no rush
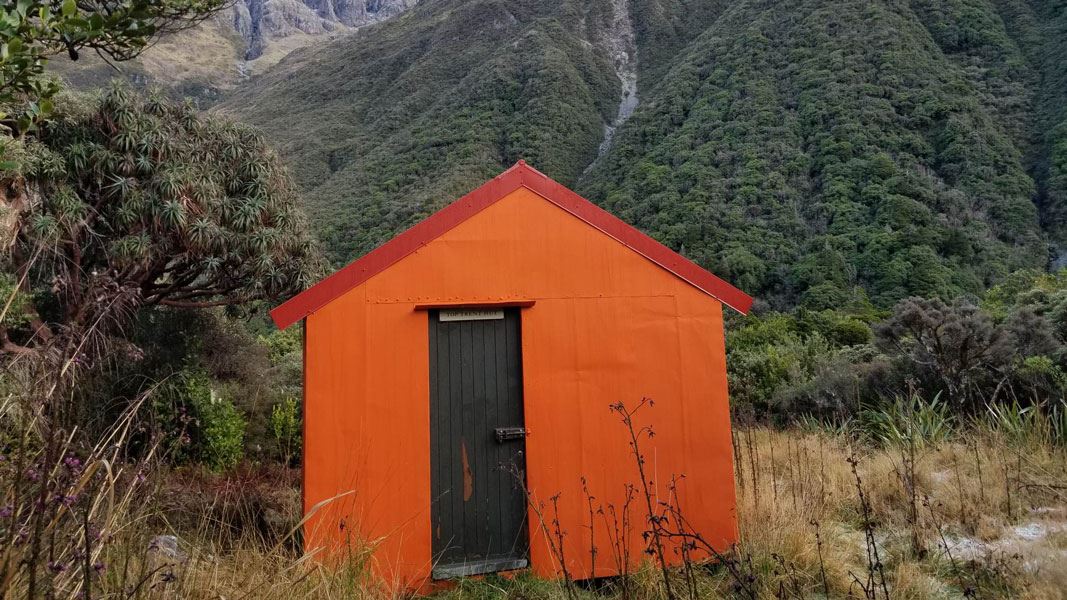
(460, 375)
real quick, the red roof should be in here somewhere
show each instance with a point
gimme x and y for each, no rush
(520, 175)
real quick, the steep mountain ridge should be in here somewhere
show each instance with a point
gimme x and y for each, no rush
(399, 118)
(820, 152)
(1039, 29)
(832, 147)
(619, 41)
(264, 23)
(245, 39)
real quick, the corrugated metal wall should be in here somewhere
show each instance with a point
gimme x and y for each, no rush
(607, 326)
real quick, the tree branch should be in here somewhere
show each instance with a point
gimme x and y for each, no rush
(202, 304)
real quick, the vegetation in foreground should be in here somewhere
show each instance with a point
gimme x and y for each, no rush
(147, 433)
(905, 504)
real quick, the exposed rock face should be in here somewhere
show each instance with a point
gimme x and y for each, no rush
(259, 22)
(620, 41)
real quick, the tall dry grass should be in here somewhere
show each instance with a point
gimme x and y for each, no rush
(941, 514)
(940, 518)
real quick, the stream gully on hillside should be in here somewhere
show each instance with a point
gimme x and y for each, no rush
(622, 46)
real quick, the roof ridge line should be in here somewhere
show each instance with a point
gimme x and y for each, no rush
(521, 174)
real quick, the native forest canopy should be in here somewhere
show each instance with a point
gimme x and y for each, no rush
(814, 153)
(888, 180)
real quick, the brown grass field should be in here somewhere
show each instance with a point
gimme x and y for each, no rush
(980, 514)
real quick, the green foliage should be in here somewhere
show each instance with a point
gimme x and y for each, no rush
(285, 425)
(804, 149)
(663, 28)
(812, 153)
(142, 202)
(1009, 349)
(164, 349)
(769, 358)
(1030, 424)
(1036, 28)
(908, 420)
(33, 30)
(1028, 287)
(220, 427)
(284, 343)
(13, 303)
(421, 109)
(197, 421)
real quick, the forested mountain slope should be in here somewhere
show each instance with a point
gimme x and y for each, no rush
(395, 121)
(245, 38)
(1040, 31)
(813, 152)
(807, 150)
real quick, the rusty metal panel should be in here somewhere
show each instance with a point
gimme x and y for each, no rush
(477, 461)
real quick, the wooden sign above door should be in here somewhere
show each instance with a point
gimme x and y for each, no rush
(471, 314)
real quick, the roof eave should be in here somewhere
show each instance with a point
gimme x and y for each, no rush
(520, 175)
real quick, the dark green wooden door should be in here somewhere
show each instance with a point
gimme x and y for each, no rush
(477, 442)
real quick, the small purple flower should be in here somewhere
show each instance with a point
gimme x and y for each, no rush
(56, 567)
(6, 511)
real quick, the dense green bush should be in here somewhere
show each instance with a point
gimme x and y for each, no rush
(197, 421)
(1009, 348)
(285, 425)
(168, 350)
(803, 149)
(126, 202)
(774, 357)
(221, 428)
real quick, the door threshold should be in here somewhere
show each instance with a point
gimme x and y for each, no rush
(479, 567)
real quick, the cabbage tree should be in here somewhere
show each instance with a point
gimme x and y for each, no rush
(131, 201)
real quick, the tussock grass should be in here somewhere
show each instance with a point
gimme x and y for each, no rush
(979, 512)
(971, 491)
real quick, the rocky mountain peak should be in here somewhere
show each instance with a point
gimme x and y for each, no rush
(261, 23)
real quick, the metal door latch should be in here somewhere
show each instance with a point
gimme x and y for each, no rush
(504, 434)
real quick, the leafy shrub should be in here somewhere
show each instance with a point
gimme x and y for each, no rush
(199, 423)
(222, 433)
(951, 346)
(135, 180)
(1012, 346)
(280, 344)
(285, 425)
(776, 359)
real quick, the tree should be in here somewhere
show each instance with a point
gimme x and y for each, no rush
(958, 345)
(33, 30)
(135, 201)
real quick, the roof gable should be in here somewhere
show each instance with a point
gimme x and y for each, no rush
(519, 175)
